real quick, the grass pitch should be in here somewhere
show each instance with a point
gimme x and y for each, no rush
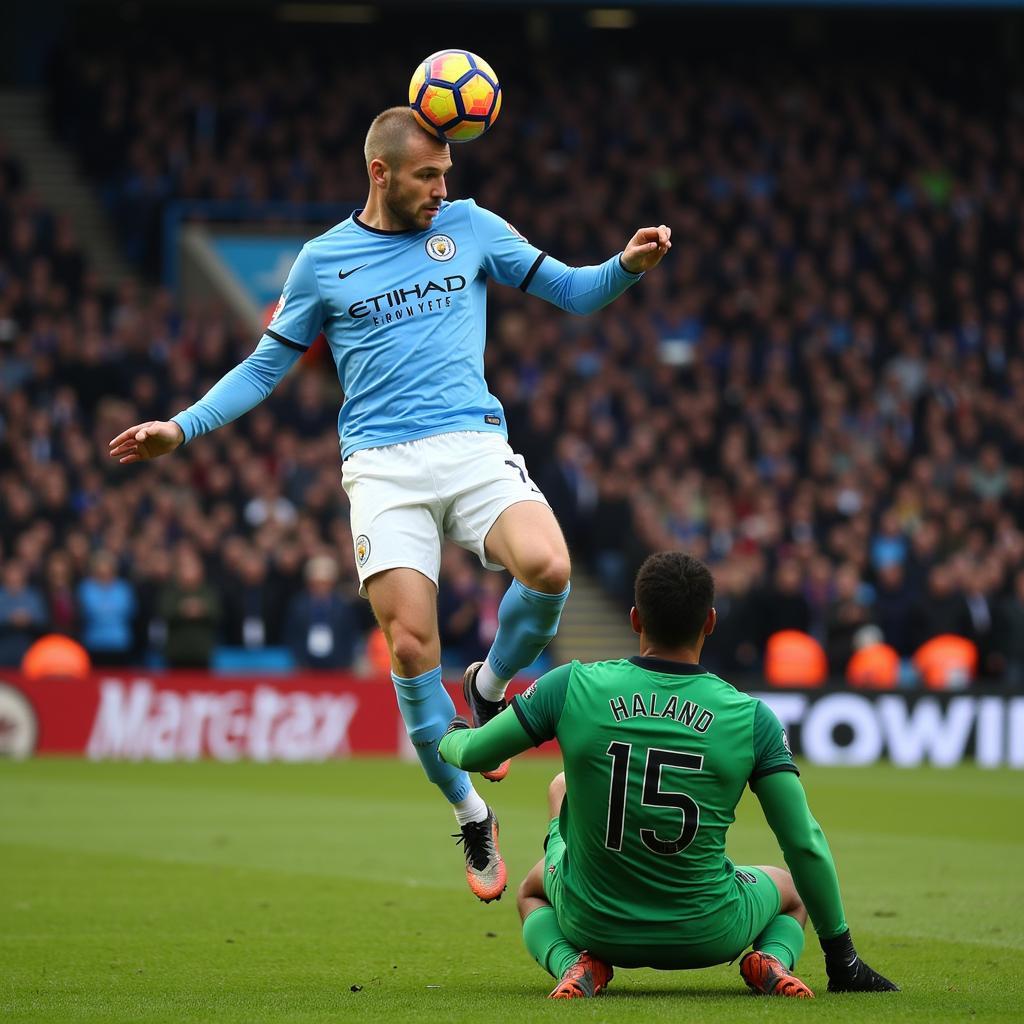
(315, 893)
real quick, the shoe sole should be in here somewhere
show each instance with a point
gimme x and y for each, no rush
(499, 773)
(765, 978)
(489, 895)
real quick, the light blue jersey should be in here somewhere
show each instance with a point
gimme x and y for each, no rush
(405, 315)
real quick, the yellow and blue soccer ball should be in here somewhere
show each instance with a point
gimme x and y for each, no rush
(455, 95)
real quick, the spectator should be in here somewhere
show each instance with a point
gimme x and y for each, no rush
(323, 628)
(153, 572)
(107, 606)
(848, 614)
(252, 618)
(942, 609)
(61, 599)
(894, 609)
(612, 524)
(990, 477)
(568, 484)
(979, 584)
(22, 613)
(736, 651)
(190, 609)
(889, 544)
(1009, 637)
(784, 605)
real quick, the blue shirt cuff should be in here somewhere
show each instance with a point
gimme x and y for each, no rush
(627, 274)
(183, 420)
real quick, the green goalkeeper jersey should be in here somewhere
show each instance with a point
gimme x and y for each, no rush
(657, 754)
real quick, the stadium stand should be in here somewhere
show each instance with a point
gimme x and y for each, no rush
(820, 395)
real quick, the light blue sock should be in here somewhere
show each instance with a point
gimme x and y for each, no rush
(427, 709)
(527, 622)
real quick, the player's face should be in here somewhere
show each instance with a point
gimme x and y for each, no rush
(417, 186)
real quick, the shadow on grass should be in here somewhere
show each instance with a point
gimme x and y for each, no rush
(621, 992)
(677, 993)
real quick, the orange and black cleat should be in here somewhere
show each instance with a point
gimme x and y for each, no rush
(485, 870)
(482, 711)
(766, 974)
(585, 978)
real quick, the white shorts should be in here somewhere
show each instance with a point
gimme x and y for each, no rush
(406, 498)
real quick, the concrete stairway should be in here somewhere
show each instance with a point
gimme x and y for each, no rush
(51, 173)
(593, 626)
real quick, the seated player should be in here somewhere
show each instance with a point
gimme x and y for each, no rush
(657, 752)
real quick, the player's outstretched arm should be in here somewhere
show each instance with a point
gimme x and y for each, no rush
(480, 750)
(146, 441)
(509, 258)
(807, 854)
(235, 393)
(585, 290)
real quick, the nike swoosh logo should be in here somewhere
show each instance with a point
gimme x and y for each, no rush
(346, 273)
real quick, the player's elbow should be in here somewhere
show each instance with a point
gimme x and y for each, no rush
(800, 851)
(262, 377)
(803, 845)
(583, 306)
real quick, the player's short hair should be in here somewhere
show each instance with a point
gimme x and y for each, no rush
(389, 135)
(673, 594)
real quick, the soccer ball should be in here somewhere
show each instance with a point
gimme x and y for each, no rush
(455, 95)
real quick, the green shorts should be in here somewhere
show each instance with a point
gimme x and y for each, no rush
(758, 905)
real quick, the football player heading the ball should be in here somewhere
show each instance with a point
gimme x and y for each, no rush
(657, 752)
(399, 289)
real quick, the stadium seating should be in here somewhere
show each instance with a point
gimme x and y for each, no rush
(819, 394)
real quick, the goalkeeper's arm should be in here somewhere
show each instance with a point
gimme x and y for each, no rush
(483, 749)
(810, 861)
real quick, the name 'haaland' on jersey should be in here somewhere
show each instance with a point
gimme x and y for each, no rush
(692, 715)
(394, 305)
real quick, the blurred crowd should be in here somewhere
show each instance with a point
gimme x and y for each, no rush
(818, 392)
(241, 542)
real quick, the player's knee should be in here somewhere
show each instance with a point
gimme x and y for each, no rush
(548, 571)
(531, 889)
(790, 898)
(524, 892)
(409, 646)
(798, 905)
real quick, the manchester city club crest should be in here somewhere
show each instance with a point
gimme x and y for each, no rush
(362, 548)
(440, 248)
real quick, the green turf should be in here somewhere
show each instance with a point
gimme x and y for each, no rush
(244, 893)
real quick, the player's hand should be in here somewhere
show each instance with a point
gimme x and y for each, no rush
(646, 249)
(146, 441)
(847, 972)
